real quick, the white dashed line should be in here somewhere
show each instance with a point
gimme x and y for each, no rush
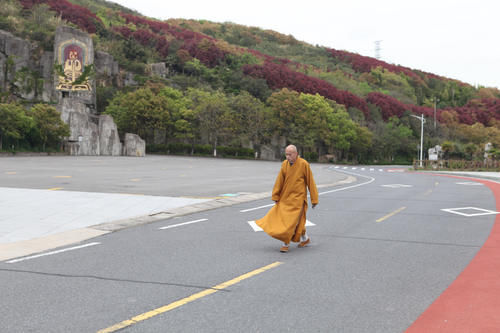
(181, 224)
(52, 252)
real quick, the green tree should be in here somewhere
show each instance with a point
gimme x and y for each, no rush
(140, 111)
(286, 106)
(447, 147)
(183, 124)
(250, 118)
(312, 124)
(212, 112)
(48, 124)
(470, 149)
(14, 123)
(360, 147)
(10, 13)
(343, 131)
(398, 139)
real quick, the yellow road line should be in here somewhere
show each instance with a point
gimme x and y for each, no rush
(55, 188)
(11, 172)
(391, 214)
(181, 302)
(62, 176)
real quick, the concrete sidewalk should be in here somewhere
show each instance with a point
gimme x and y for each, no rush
(33, 221)
(39, 213)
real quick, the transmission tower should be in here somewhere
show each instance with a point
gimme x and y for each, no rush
(377, 49)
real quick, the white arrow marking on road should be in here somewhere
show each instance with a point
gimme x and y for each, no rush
(256, 228)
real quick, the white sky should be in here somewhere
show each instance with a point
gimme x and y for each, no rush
(458, 39)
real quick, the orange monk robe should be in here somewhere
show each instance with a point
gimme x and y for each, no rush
(287, 219)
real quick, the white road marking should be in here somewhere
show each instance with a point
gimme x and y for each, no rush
(180, 224)
(52, 252)
(362, 169)
(256, 228)
(372, 169)
(396, 185)
(326, 192)
(349, 187)
(250, 209)
(456, 211)
(380, 170)
(470, 183)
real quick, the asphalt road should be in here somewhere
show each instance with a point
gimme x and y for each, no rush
(153, 175)
(382, 251)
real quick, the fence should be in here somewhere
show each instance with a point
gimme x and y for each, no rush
(488, 165)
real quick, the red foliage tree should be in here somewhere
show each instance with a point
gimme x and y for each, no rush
(78, 15)
(364, 64)
(199, 46)
(389, 106)
(124, 31)
(280, 76)
(479, 110)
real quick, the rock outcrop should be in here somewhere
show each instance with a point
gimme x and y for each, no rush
(134, 145)
(90, 134)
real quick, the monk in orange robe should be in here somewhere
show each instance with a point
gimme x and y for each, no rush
(286, 221)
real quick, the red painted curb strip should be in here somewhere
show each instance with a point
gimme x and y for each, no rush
(472, 302)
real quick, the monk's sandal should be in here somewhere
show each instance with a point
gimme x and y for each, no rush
(284, 249)
(304, 243)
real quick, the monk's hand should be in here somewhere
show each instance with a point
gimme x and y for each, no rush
(313, 205)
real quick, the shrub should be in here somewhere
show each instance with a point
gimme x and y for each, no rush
(311, 156)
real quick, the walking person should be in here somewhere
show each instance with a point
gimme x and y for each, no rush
(286, 220)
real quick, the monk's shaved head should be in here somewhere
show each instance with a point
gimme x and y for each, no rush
(291, 153)
(292, 148)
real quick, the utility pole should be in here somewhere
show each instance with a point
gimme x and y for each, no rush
(436, 100)
(422, 122)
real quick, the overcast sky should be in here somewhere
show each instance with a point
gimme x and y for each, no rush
(458, 39)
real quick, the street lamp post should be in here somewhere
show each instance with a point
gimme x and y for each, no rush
(422, 122)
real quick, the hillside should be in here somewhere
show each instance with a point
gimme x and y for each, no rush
(233, 60)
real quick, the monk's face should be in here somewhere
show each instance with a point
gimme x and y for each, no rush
(291, 155)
